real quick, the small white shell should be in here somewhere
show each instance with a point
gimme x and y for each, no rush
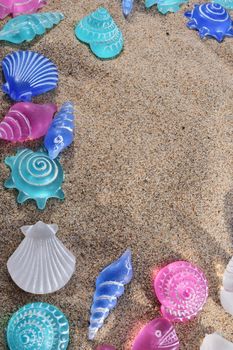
(215, 341)
(228, 277)
(41, 264)
(226, 294)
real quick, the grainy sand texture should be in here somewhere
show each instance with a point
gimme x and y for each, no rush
(150, 169)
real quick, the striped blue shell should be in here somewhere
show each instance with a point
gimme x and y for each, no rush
(127, 7)
(165, 6)
(27, 27)
(38, 326)
(210, 19)
(109, 287)
(28, 74)
(61, 132)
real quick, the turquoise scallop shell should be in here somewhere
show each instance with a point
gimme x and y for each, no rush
(165, 6)
(35, 176)
(27, 27)
(38, 326)
(102, 34)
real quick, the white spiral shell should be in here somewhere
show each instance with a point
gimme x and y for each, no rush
(41, 264)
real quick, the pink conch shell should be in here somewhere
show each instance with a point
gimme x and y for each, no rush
(19, 7)
(157, 334)
(105, 347)
(182, 289)
(26, 121)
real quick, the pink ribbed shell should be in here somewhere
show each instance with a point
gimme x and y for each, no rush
(19, 7)
(26, 121)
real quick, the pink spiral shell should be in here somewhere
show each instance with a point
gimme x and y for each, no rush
(26, 121)
(182, 289)
(19, 7)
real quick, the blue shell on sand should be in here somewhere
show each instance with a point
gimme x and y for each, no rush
(61, 131)
(109, 287)
(28, 74)
(35, 176)
(210, 19)
(127, 7)
(27, 27)
(228, 4)
(165, 6)
(101, 33)
(38, 326)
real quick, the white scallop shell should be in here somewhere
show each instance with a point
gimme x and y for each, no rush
(41, 264)
(226, 294)
(215, 341)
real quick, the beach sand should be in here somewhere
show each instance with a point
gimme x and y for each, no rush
(150, 169)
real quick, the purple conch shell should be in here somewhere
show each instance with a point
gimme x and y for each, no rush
(19, 7)
(26, 121)
(182, 289)
(105, 347)
(157, 334)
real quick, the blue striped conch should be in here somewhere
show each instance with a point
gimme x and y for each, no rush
(28, 74)
(27, 27)
(61, 131)
(109, 287)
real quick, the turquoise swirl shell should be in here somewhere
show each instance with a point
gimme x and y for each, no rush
(102, 34)
(35, 176)
(38, 326)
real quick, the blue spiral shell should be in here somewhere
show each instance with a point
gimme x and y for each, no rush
(109, 287)
(127, 7)
(210, 19)
(165, 6)
(61, 131)
(38, 326)
(35, 176)
(28, 74)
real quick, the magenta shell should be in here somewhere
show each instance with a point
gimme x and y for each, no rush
(19, 7)
(26, 121)
(157, 334)
(182, 289)
(105, 347)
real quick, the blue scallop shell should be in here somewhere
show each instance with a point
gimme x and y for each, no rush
(35, 176)
(38, 326)
(109, 287)
(165, 6)
(228, 4)
(101, 33)
(61, 131)
(28, 74)
(27, 27)
(210, 19)
(127, 7)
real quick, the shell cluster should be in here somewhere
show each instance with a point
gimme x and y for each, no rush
(182, 290)
(17, 7)
(38, 326)
(41, 264)
(102, 34)
(165, 6)
(211, 20)
(35, 176)
(27, 27)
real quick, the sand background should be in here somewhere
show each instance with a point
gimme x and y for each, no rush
(151, 169)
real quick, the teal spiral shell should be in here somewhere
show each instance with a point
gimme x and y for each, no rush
(27, 27)
(35, 176)
(38, 326)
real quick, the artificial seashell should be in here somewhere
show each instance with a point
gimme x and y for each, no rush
(27, 27)
(210, 20)
(41, 264)
(38, 326)
(18, 7)
(105, 347)
(157, 334)
(165, 6)
(26, 121)
(227, 4)
(226, 294)
(127, 7)
(214, 341)
(182, 290)
(109, 287)
(28, 74)
(35, 176)
(102, 34)
(61, 132)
